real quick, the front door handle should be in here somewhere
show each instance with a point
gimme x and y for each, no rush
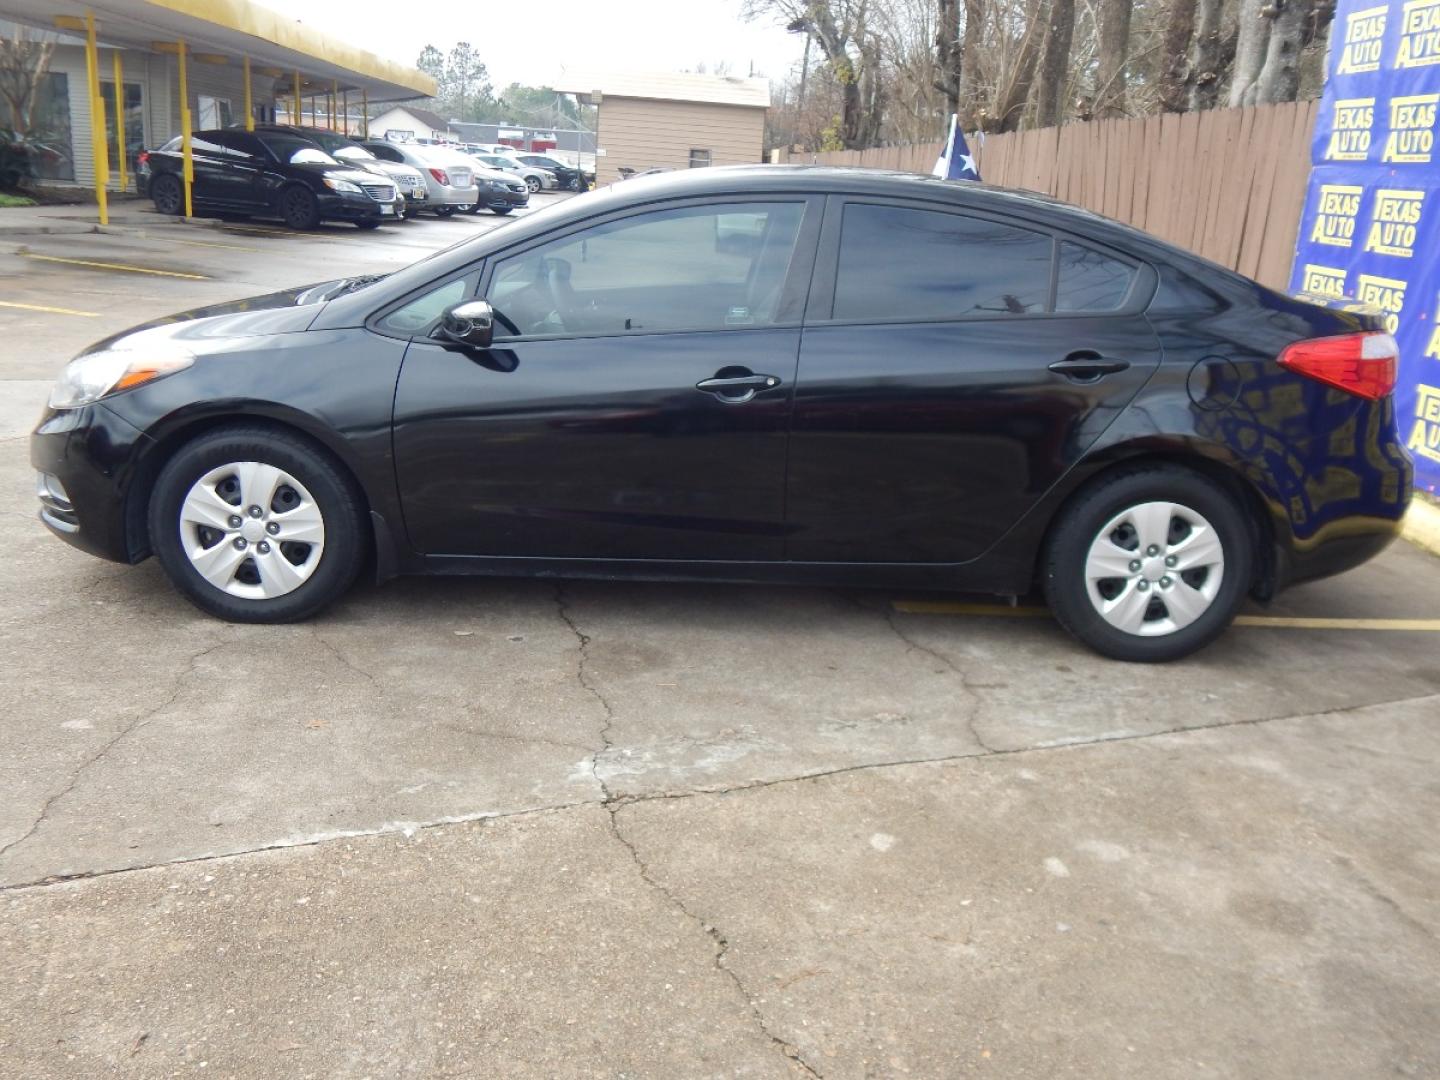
(1088, 366)
(737, 389)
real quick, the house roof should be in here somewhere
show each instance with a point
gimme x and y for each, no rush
(430, 119)
(668, 86)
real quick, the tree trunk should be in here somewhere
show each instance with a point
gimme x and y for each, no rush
(970, 45)
(1279, 78)
(1250, 48)
(1055, 66)
(1206, 62)
(1010, 104)
(1174, 75)
(948, 54)
(1113, 55)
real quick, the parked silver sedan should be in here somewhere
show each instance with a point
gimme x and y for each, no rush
(449, 175)
(535, 179)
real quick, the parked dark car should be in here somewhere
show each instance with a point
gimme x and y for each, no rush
(568, 177)
(992, 391)
(265, 173)
(353, 155)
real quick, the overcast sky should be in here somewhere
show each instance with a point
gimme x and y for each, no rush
(531, 41)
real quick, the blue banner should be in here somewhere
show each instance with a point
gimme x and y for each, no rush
(1371, 228)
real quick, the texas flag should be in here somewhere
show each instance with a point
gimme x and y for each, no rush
(956, 163)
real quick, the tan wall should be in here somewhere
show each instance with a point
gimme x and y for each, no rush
(1228, 184)
(639, 133)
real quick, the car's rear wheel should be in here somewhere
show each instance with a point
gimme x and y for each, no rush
(299, 208)
(501, 210)
(166, 193)
(444, 211)
(533, 183)
(256, 525)
(1150, 564)
(368, 224)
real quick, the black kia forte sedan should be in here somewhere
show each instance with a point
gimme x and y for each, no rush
(756, 374)
(266, 172)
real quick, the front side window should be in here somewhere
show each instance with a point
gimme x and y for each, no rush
(899, 263)
(417, 316)
(696, 268)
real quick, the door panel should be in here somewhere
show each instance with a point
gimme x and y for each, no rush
(595, 447)
(924, 442)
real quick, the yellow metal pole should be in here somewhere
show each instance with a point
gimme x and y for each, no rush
(187, 170)
(295, 102)
(120, 122)
(249, 107)
(365, 112)
(97, 119)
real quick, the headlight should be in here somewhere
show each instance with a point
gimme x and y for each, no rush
(335, 184)
(87, 379)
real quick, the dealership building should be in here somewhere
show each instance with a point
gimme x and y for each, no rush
(209, 62)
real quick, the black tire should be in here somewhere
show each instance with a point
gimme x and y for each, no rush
(370, 224)
(444, 211)
(533, 183)
(501, 210)
(338, 499)
(298, 207)
(167, 194)
(1084, 520)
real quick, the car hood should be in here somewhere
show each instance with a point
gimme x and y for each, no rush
(205, 329)
(337, 172)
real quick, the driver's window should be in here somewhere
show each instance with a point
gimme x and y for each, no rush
(695, 268)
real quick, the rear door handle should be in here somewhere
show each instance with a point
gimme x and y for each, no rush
(737, 389)
(1085, 367)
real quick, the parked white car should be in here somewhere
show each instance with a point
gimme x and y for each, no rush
(535, 179)
(449, 175)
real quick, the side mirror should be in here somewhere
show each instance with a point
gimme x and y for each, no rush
(469, 323)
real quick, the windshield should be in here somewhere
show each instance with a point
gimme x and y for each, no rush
(295, 150)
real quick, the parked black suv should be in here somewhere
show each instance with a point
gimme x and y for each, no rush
(265, 172)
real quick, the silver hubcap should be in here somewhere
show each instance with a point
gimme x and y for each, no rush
(1154, 568)
(252, 530)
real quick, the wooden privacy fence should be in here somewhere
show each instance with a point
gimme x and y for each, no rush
(1228, 184)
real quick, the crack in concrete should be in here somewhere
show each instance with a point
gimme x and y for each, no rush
(1379, 895)
(719, 943)
(911, 644)
(612, 805)
(582, 676)
(334, 651)
(140, 721)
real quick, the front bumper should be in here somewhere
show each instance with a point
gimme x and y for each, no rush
(505, 200)
(86, 461)
(347, 207)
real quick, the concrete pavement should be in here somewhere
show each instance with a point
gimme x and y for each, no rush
(491, 828)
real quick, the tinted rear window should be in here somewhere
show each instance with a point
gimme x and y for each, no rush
(898, 263)
(1091, 281)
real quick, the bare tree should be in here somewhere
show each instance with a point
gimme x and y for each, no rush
(971, 44)
(1253, 25)
(948, 53)
(1055, 65)
(1114, 53)
(24, 64)
(1207, 56)
(1174, 71)
(1279, 78)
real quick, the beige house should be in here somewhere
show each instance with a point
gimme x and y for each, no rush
(674, 121)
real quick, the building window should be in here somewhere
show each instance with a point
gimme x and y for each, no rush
(699, 159)
(134, 123)
(214, 113)
(46, 123)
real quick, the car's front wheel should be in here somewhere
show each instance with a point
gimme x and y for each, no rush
(444, 211)
(257, 525)
(533, 183)
(299, 208)
(1150, 564)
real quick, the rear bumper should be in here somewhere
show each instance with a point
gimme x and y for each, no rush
(85, 460)
(1341, 545)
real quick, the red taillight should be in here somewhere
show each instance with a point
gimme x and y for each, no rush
(441, 176)
(142, 157)
(1360, 364)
